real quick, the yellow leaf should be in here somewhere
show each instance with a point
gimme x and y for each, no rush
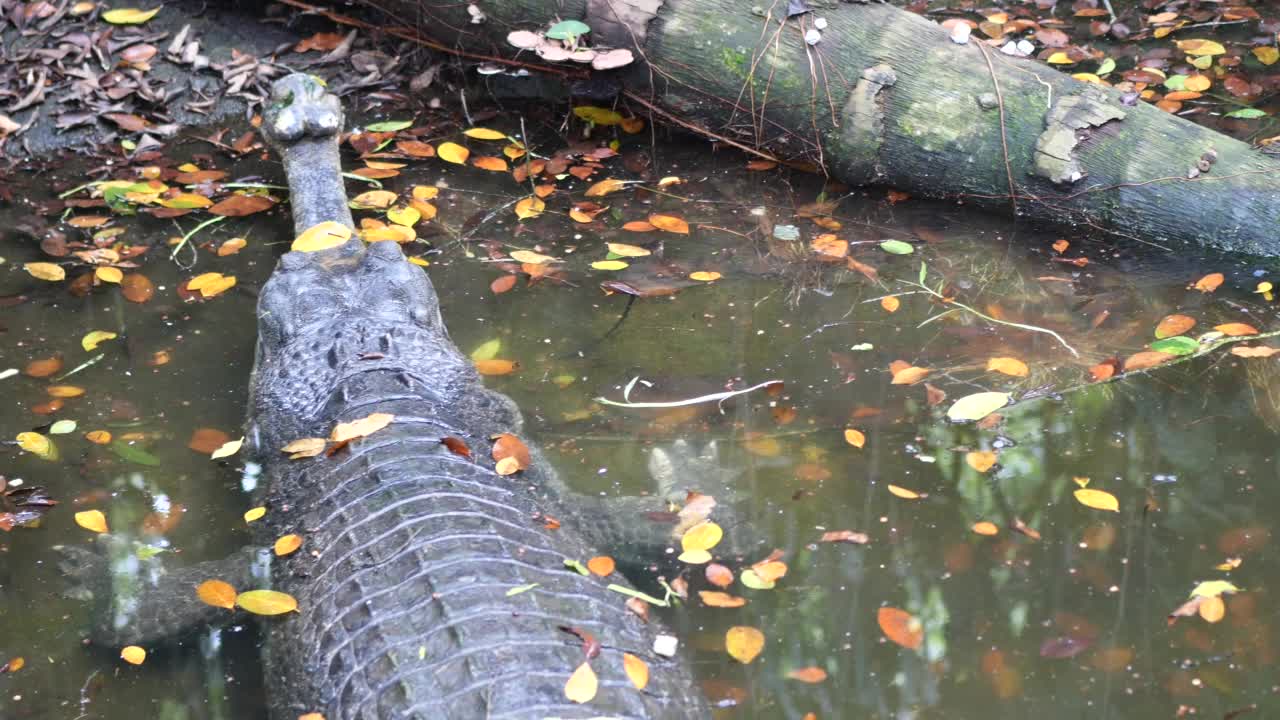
(361, 428)
(704, 276)
(904, 493)
(637, 670)
(304, 448)
(45, 271)
(855, 438)
(985, 527)
(890, 304)
(129, 16)
(92, 520)
(598, 115)
(694, 557)
(1008, 366)
(703, 536)
(321, 236)
(133, 655)
(39, 445)
(980, 460)
(64, 391)
(484, 134)
(507, 466)
(403, 215)
(1267, 55)
(425, 192)
(254, 514)
(392, 233)
(531, 257)
(186, 201)
(373, 200)
(1212, 609)
(210, 284)
(1060, 58)
(743, 643)
(453, 152)
(626, 250)
(1197, 83)
(94, 338)
(1201, 47)
(604, 187)
(976, 406)
(1088, 77)
(287, 544)
(609, 265)
(217, 593)
(669, 223)
(582, 684)
(98, 437)
(266, 602)
(1214, 588)
(227, 449)
(530, 207)
(108, 274)
(1097, 499)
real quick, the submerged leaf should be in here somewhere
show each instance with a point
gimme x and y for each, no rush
(901, 627)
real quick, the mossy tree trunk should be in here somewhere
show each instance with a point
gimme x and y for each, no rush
(886, 98)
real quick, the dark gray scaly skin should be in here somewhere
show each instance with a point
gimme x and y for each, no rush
(410, 550)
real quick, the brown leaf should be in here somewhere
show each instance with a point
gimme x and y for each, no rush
(1145, 359)
(506, 445)
(1172, 325)
(457, 446)
(136, 288)
(206, 440)
(844, 536)
(241, 205)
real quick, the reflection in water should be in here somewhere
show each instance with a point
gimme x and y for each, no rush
(1063, 618)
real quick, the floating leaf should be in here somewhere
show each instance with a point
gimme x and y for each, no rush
(64, 391)
(809, 675)
(1236, 329)
(1199, 47)
(62, 427)
(373, 200)
(509, 447)
(129, 16)
(598, 115)
(751, 579)
(1261, 351)
(1214, 588)
(1097, 499)
(108, 275)
(43, 367)
(897, 247)
(569, 30)
(210, 284)
(530, 207)
(890, 303)
(45, 271)
(703, 536)
(1145, 359)
(855, 438)
(1179, 345)
(241, 205)
(496, 366)
(1012, 367)
(582, 684)
(321, 237)
(254, 514)
(486, 350)
(227, 449)
(287, 544)
(704, 276)
(453, 152)
(909, 375)
(845, 536)
(133, 655)
(38, 445)
(637, 670)
(484, 134)
(712, 598)
(1212, 609)
(985, 527)
(363, 427)
(266, 602)
(137, 288)
(92, 520)
(977, 406)
(626, 250)
(605, 187)
(390, 126)
(1172, 325)
(669, 223)
(609, 265)
(98, 437)
(743, 643)
(904, 493)
(830, 246)
(980, 460)
(901, 627)
(133, 453)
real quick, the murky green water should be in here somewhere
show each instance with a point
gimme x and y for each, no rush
(1069, 625)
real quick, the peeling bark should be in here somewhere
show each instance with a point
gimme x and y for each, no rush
(1054, 160)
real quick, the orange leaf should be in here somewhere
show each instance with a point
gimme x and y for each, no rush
(457, 446)
(809, 675)
(1102, 371)
(488, 162)
(637, 670)
(496, 366)
(604, 187)
(1172, 325)
(1209, 283)
(901, 627)
(719, 575)
(980, 460)
(1145, 359)
(906, 494)
(890, 304)
(416, 148)
(582, 684)
(217, 593)
(855, 438)
(743, 643)
(830, 246)
(844, 536)
(502, 284)
(287, 544)
(711, 598)
(985, 527)
(1008, 366)
(133, 655)
(909, 375)
(44, 367)
(241, 205)
(136, 288)
(639, 226)
(1260, 351)
(1236, 329)
(453, 152)
(1060, 246)
(1212, 609)
(669, 223)
(206, 440)
(601, 565)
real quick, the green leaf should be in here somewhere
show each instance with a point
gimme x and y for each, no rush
(62, 427)
(487, 350)
(1214, 588)
(133, 454)
(568, 30)
(637, 594)
(1106, 67)
(977, 406)
(754, 581)
(390, 126)
(522, 588)
(923, 272)
(1246, 113)
(1180, 345)
(897, 247)
(574, 564)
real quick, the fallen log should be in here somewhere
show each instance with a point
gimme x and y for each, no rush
(886, 98)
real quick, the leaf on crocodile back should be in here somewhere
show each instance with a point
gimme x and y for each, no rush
(365, 426)
(457, 446)
(217, 593)
(601, 565)
(637, 670)
(304, 448)
(287, 544)
(507, 446)
(582, 684)
(266, 602)
(321, 236)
